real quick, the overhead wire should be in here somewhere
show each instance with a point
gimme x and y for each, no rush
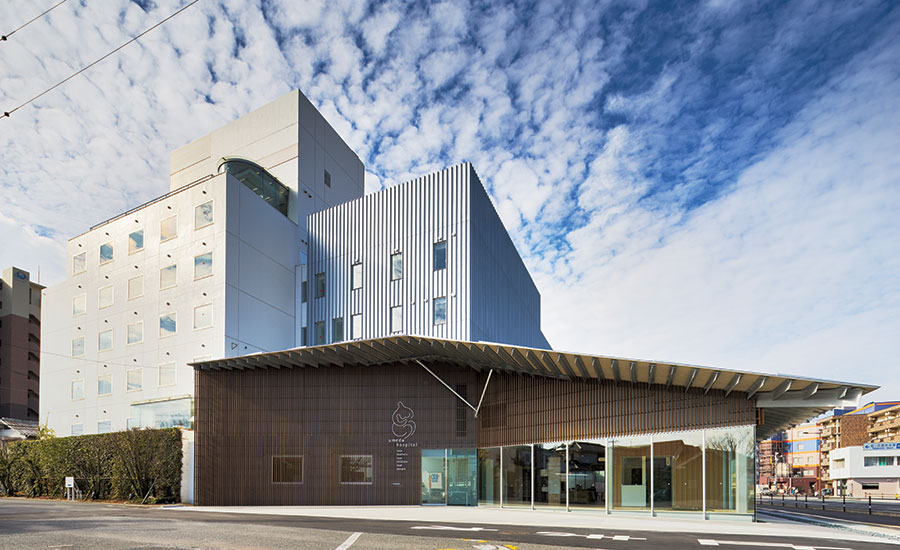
(5, 37)
(95, 361)
(6, 114)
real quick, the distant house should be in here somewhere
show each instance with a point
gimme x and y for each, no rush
(17, 430)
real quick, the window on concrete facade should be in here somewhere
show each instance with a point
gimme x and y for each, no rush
(105, 297)
(79, 305)
(136, 241)
(356, 275)
(356, 326)
(357, 470)
(304, 288)
(337, 329)
(79, 263)
(440, 255)
(203, 316)
(287, 469)
(104, 426)
(440, 310)
(135, 287)
(106, 253)
(167, 375)
(396, 318)
(396, 266)
(104, 384)
(167, 325)
(78, 346)
(77, 390)
(327, 179)
(77, 429)
(870, 486)
(320, 333)
(105, 340)
(168, 229)
(168, 277)
(203, 266)
(320, 285)
(134, 379)
(135, 333)
(303, 336)
(878, 461)
(203, 215)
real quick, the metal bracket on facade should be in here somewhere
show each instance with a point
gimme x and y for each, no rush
(446, 385)
(484, 391)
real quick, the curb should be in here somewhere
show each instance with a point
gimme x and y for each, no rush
(823, 521)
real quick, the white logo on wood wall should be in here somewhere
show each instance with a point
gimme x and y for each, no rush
(403, 427)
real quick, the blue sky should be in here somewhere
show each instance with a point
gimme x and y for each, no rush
(711, 182)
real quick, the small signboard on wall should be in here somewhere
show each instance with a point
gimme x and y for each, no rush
(70, 482)
(434, 481)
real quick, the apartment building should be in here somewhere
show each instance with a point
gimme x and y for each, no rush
(20, 345)
(883, 425)
(208, 270)
(841, 429)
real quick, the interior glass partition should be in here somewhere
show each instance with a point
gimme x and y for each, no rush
(730, 464)
(678, 471)
(434, 478)
(489, 477)
(587, 475)
(517, 476)
(550, 475)
(631, 473)
(462, 475)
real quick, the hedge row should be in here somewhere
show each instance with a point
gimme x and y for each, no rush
(135, 465)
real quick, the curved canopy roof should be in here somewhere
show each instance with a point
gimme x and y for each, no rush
(786, 399)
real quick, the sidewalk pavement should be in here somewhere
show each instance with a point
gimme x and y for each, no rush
(770, 526)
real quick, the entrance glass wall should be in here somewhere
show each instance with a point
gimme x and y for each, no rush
(434, 476)
(631, 485)
(517, 476)
(489, 477)
(550, 475)
(730, 463)
(587, 474)
(678, 471)
(449, 476)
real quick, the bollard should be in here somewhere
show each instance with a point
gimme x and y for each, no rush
(795, 499)
(870, 505)
(782, 500)
(844, 505)
(806, 501)
(823, 501)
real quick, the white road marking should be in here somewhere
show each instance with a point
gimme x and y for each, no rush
(350, 540)
(712, 542)
(449, 528)
(592, 536)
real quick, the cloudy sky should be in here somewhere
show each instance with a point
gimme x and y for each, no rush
(714, 183)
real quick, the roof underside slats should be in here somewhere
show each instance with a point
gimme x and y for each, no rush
(786, 399)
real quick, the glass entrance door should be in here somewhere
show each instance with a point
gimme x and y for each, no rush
(450, 476)
(434, 476)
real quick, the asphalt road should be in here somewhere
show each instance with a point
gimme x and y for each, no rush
(56, 525)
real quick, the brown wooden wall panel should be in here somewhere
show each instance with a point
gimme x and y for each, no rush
(244, 417)
(524, 409)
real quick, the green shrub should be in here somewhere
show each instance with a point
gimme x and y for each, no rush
(136, 465)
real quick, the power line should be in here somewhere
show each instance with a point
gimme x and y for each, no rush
(78, 72)
(4, 37)
(133, 365)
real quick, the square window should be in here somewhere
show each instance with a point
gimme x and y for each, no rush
(327, 179)
(134, 379)
(203, 316)
(302, 336)
(167, 277)
(167, 325)
(77, 390)
(136, 332)
(303, 290)
(396, 318)
(320, 285)
(77, 429)
(79, 263)
(440, 255)
(203, 266)
(320, 333)
(337, 329)
(356, 326)
(168, 229)
(135, 287)
(203, 215)
(356, 276)
(136, 241)
(105, 340)
(357, 470)
(440, 310)
(167, 375)
(106, 253)
(104, 384)
(79, 305)
(396, 266)
(104, 426)
(287, 469)
(78, 346)
(105, 297)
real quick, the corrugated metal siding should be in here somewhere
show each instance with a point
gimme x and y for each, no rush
(408, 218)
(506, 305)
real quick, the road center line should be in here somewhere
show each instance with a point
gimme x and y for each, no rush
(350, 540)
